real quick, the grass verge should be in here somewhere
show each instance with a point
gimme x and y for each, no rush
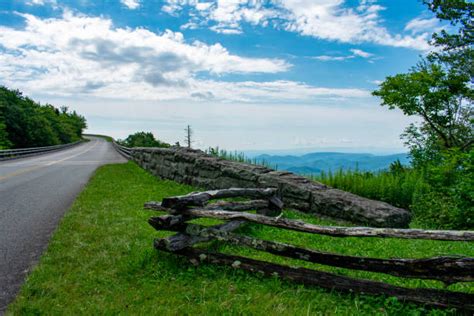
(101, 261)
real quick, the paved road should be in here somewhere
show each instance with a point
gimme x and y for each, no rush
(34, 194)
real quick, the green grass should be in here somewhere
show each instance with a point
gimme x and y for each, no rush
(101, 261)
(239, 157)
(395, 188)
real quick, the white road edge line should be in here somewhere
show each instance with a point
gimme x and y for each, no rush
(46, 165)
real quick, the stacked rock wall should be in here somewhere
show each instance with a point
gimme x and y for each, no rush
(196, 168)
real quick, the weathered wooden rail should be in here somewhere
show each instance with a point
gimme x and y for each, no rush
(182, 209)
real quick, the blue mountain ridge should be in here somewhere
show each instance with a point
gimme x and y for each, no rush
(315, 163)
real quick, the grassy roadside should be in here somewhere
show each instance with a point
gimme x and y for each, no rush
(101, 261)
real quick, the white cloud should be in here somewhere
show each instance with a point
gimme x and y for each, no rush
(36, 2)
(361, 53)
(42, 2)
(355, 53)
(82, 55)
(201, 6)
(225, 30)
(131, 4)
(282, 90)
(420, 25)
(323, 19)
(332, 58)
(227, 14)
(189, 26)
(332, 20)
(377, 82)
(171, 9)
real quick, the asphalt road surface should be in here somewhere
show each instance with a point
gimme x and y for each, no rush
(35, 192)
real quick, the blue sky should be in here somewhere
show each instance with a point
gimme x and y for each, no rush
(246, 75)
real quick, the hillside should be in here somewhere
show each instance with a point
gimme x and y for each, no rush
(95, 249)
(315, 163)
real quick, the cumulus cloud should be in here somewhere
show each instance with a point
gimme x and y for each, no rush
(131, 4)
(77, 54)
(225, 15)
(421, 25)
(323, 19)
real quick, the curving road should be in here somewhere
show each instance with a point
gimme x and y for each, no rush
(35, 192)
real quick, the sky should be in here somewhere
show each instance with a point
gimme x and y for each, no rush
(265, 75)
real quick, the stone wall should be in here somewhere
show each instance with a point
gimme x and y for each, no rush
(196, 168)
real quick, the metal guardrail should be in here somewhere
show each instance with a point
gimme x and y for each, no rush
(124, 151)
(25, 152)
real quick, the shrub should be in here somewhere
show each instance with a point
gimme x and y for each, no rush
(143, 139)
(440, 196)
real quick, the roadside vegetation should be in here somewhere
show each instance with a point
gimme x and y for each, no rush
(107, 138)
(26, 123)
(396, 188)
(238, 156)
(142, 139)
(101, 261)
(439, 197)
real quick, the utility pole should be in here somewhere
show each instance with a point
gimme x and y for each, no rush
(189, 133)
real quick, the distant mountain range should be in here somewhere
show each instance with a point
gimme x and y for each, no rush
(314, 163)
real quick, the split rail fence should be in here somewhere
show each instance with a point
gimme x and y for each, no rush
(268, 207)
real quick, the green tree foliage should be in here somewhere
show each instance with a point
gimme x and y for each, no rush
(439, 91)
(442, 99)
(143, 139)
(4, 141)
(445, 199)
(26, 123)
(454, 49)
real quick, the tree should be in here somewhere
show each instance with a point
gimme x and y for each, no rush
(438, 89)
(188, 138)
(4, 141)
(26, 123)
(443, 101)
(455, 49)
(143, 139)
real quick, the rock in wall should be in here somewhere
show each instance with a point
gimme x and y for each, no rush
(196, 168)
